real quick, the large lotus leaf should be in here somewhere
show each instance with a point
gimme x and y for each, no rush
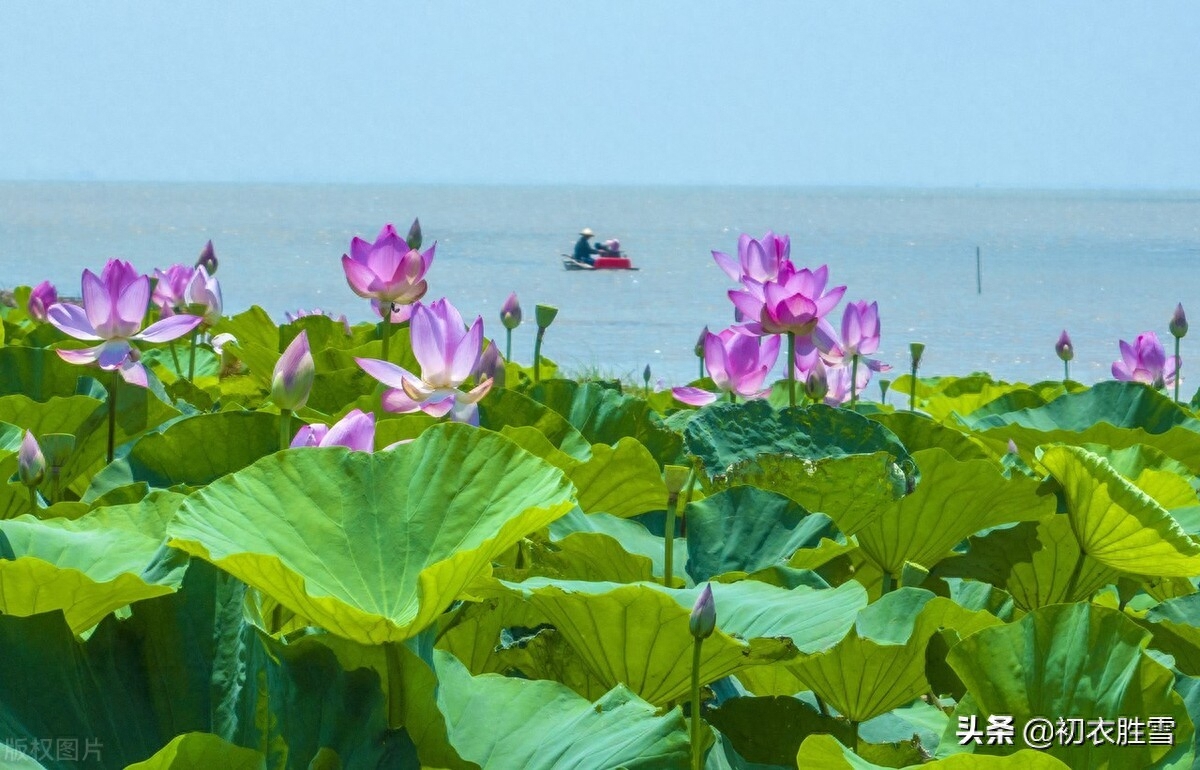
(824, 752)
(38, 373)
(637, 634)
(92, 565)
(195, 750)
(194, 451)
(1121, 404)
(373, 546)
(942, 397)
(1131, 462)
(1175, 625)
(604, 416)
(1046, 665)
(503, 408)
(329, 334)
(769, 730)
(1118, 524)
(500, 722)
(917, 431)
(599, 546)
(725, 435)
(59, 414)
(954, 500)
(1033, 561)
(746, 529)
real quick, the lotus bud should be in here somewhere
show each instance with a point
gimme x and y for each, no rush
(675, 476)
(646, 376)
(413, 239)
(545, 315)
(31, 463)
(1012, 447)
(491, 363)
(207, 259)
(916, 350)
(816, 385)
(292, 380)
(1064, 348)
(1178, 325)
(510, 313)
(40, 299)
(699, 349)
(704, 615)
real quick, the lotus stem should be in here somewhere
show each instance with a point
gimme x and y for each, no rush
(33, 500)
(791, 368)
(1073, 583)
(387, 328)
(285, 428)
(886, 585)
(853, 380)
(701, 367)
(821, 704)
(912, 389)
(1067, 370)
(1178, 366)
(537, 354)
(854, 735)
(697, 757)
(112, 413)
(508, 344)
(732, 397)
(669, 541)
(192, 357)
(175, 359)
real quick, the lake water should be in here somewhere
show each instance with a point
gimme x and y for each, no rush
(1104, 265)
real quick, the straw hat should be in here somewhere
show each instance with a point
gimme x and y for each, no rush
(586, 232)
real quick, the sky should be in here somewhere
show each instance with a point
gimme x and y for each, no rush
(1089, 94)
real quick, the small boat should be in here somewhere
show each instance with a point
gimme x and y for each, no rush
(599, 263)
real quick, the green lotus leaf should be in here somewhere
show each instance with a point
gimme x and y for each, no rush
(604, 416)
(373, 546)
(917, 431)
(1121, 404)
(194, 750)
(1034, 562)
(507, 408)
(637, 634)
(1131, 462)
(1116, 523)
(38, 373)
(1046, 665)
(193, 451)
(824, 752)
(1175, 625)
(746, 529)
(725, 435)
(496, 721)
(602, 547)
(769, 730)
(954, 500)
(92, 565)
(945, 397)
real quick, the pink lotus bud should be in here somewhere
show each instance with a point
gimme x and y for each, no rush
(1012, 447)
(207, 259)
(31, 463)
(292, 380)
(40, 299)
(704, 615)
(1064, 348)
(816, 386)
(699, 349)
(1178, 325)
(413, 239)
(510, 313)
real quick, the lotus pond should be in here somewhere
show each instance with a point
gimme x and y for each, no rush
(227, 542)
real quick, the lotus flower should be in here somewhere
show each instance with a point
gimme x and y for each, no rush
(387, 270)
(758, 260)
(447, 355)
(737, 363)
(794, 302)
(114, 307)
(510, 313)
(1145, 361)
(400, 313)
(354, 431)
(170, 288)
(207, 259)
(204, 290)
(816, 384)
(31, 463)
(839, 383)
(1063, 348)
(860, 337)
(703, 620)
(1178, 325)
(292, 380)
(40, 299)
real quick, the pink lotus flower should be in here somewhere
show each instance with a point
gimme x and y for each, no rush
(31, 463)
(387, 270)
(294, 374)
(838, 378)
(354, 431)
(40, 299)
(114, 308)
(758, 260)
(510, 312)
(170, 288)
(447, 355)
(207, 259)
(794, 302)
(860, 337)
(1063, 348)
(737, 363)
(1145, 361)
(204, 290)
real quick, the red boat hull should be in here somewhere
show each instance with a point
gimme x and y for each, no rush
(612, 263)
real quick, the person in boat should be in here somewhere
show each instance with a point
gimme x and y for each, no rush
(610, 248)
(583, 248)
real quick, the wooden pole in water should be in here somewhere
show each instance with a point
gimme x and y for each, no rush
(978, 272)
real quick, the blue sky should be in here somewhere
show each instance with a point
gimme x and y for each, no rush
(998, 94)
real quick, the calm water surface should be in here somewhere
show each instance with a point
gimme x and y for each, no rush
(1102, 265)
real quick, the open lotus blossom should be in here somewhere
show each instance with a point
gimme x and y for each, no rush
(354, 431)
(738, 364)
(448, 354)
(387, 270)
(860, 337)
(794, 302)
(114, 308)
(1145, 361)
(40, 299)
(757, 260)
(170, 288)
(838, 378)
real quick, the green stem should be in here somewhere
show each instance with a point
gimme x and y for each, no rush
(732, 397)
(821, 705)
(285, 428)
(669, 540)
(887, 583)
(192, 357)
(701, 367)
(854, 735)
(537, 355)
(508, 344)
(697, 757)
(386, 307)
(853, 380)
(33, 501)
(687, 498)
(112, 413)
(912, 390)
(1066, 372)
(791, 368)
(1073, 583)
(175, 358)
(1177, 368)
